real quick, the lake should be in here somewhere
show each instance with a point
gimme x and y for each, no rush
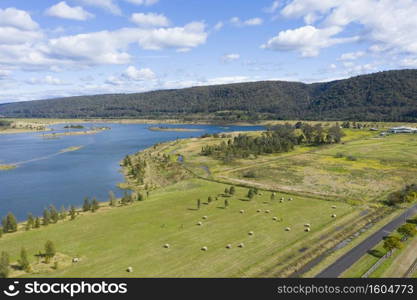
(46, 175)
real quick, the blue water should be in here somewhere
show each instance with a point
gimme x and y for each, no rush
(45, 176)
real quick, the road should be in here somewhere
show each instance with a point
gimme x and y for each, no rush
(347, 260)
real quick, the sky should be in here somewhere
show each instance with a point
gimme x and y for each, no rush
(52, 48)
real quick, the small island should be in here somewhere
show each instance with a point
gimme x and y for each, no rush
(72, 126)
(7, 167)
(174, 129)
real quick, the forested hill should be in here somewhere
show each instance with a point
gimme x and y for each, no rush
(383, 96)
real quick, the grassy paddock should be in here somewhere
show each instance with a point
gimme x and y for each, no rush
(114, 239)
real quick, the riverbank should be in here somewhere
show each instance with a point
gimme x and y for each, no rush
(174, 129)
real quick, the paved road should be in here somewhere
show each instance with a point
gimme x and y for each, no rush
(347, 260)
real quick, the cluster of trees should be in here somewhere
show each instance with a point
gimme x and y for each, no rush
(406, 195)
(383, 96)
(23, 261)
(137, 169)
(90, 205)
(228, 192)
(280, 138)
(406, 231)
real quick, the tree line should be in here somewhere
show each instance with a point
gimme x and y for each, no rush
(279, 138)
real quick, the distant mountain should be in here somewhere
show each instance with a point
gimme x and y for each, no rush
(383, 96)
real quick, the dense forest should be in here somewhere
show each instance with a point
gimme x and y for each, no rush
(383, 96)
(279, 138)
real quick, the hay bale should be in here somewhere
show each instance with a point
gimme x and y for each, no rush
(334, 216)
(250, 233)
(258, 210)
(307, 229)
(204, 248)
(129, 270)
(228, 246)
(282, 199)
(287, 229)
(334, 206)
(205, 218)
(242, 211)
(199, 223)
(307, 225)
(267, 211)
(167, 246)
(75, 260)
(275, 218)
(241, 245)
(289, 199)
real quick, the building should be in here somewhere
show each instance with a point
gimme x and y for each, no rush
(403, 129)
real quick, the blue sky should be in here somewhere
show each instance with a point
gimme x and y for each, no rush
(53, 48)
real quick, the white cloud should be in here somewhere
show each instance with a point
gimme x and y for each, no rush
(135, 74)
(108, 5)
(391, 26)
(20, 19)
(150, 20)
(230, 57)
(272, 8)
(49, 80)
(308, 40)
(218, 26)
(143, 2)
(4, 74)
(352, 55)
(12, 36)
(249, 22)
(63, 10)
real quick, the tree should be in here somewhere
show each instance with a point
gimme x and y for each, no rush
(63, 213)
(49, 251)
(226, 191)
(209, 199)
(9, 223)
(226, 203)
(94, 205)
(30, 223)
(272, 196)
(72, 213)
(4, 265)
(112, 199)
(407, 230)
(24, 261)
(251, 194)
(391, 243)
(37, 222)
(232, 190)
(198, 203)
(46, 217)
(54, 216)
(86, 205)
(140, 196)
(1, 232)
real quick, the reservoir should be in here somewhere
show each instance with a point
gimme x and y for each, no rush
(49, 172)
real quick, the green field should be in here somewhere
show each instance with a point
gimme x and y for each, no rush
(113, 239)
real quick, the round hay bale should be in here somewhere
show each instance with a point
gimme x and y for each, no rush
(205, 218)
(228, 246)
(204, 248)
(250, 233)
(199, 223)
(267, 211)
(282, 199)
(75, 260)
(275, 218)
(334, 216)
(307, 229)
(307, 225)
(241, 245)
(258, 210)
(289, 199)
(129, 270)
(167, 246)
(242, 211)
(287, 229)
(334, 206)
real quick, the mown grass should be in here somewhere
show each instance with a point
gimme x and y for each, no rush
(112, 240)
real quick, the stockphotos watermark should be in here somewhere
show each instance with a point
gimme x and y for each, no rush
(62, 288)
